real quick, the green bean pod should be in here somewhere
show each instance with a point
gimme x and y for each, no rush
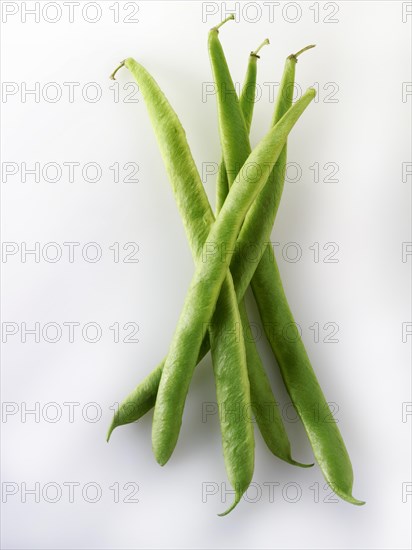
(297, 372)
(227, 379)
(300, 380)
(232, 391)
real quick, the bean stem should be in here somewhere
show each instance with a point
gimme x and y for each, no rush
(229, 18)
(264, 43)
(296, 55)
(113, 75)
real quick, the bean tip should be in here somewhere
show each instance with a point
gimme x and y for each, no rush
(161, 458)
(109, 433)
(311, 91)
(345, 495)
(235, 503)
(300, 464)
(355, 501)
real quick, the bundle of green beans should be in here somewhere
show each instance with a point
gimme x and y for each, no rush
(249, 188)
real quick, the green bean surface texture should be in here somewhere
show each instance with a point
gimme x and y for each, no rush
(248, 191)
(143, 397)
(205, 287)
(264, 404)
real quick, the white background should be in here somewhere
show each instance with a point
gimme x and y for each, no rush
(365, 131)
